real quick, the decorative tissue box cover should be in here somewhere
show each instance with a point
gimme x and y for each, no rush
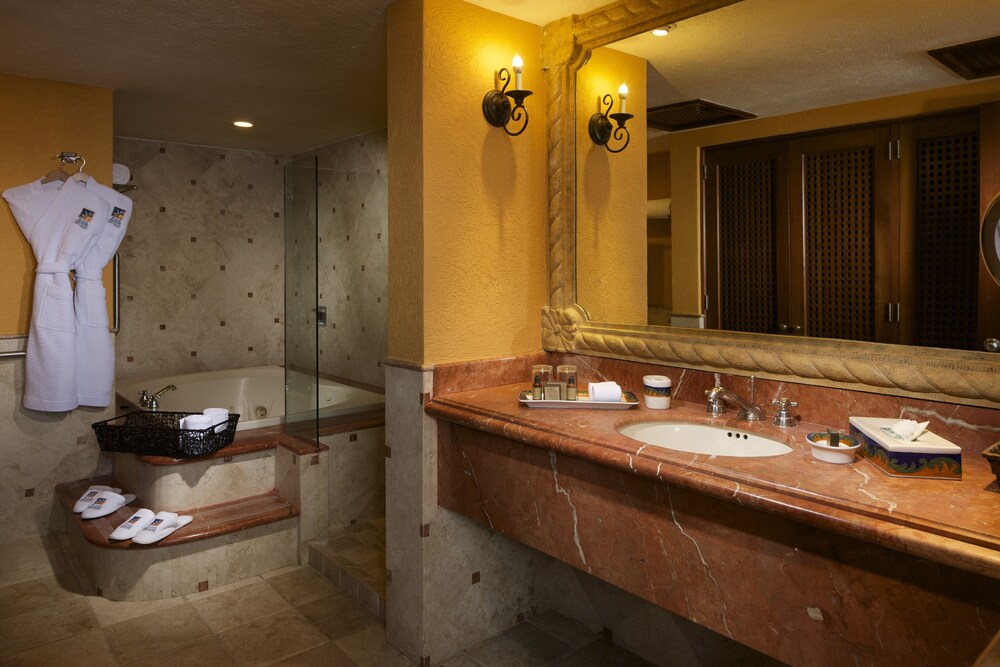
(929, 456)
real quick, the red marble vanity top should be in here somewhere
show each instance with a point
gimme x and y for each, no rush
(952, 522)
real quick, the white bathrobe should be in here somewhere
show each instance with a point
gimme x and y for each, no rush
(61, 221)
(95, 345)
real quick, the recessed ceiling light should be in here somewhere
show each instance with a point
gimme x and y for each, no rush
(664, 31)
(243, 123)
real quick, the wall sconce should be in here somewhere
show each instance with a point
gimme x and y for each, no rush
(601, 130)
(496, 106)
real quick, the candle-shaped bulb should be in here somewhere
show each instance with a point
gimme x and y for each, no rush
(622, 96)
(518, 65)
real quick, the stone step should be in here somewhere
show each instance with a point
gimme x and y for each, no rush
(353, 558)
(225, 542)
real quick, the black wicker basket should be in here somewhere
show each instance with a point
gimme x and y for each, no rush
(159, 434)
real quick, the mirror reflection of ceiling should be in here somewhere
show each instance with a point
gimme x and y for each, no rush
(774, 57)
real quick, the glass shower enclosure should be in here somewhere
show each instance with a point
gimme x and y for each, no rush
(303, 316)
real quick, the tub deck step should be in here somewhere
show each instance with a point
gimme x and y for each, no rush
(209, 521)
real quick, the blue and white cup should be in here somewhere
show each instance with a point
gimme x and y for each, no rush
(656, 391)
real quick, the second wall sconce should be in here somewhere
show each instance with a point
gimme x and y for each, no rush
(496, 106)
(601, 130)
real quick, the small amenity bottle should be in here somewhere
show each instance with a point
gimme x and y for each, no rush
(536, 388)
(571, 387)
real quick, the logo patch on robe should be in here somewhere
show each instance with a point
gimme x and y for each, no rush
(117, 217)
(83, 221)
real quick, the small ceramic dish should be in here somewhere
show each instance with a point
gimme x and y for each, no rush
(843, 453)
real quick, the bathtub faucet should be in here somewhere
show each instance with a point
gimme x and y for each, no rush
(152, 401)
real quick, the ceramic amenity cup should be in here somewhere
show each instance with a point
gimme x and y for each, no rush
(656, 391)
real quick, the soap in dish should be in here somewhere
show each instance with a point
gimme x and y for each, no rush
(821, 449)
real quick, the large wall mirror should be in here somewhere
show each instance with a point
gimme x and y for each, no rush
(642, 251)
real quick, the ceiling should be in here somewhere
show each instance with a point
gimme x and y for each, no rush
(773, 57)
(311, 72)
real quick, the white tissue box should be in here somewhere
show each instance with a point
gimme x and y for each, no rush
(929, 456)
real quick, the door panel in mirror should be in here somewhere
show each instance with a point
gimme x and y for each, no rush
(876, 240)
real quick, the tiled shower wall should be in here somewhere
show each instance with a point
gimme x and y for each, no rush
(202, 264)
(353, 257)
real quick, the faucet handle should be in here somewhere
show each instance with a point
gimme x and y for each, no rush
(783, 417)
(716, 406)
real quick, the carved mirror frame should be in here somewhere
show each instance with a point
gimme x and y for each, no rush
(933, 374)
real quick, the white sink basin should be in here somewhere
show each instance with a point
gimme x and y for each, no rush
(704, 439)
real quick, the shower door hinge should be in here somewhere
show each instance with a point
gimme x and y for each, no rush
(320, 316)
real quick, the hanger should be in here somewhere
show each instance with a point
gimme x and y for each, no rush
(60, 173)
(79, 175)
(56, 175)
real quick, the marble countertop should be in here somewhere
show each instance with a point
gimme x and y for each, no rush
(952, 522)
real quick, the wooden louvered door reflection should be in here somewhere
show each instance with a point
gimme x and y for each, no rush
(746, 232)
(939, 232)
(842, 253)
(869, 234)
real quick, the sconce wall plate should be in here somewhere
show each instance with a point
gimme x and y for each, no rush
(497, 106)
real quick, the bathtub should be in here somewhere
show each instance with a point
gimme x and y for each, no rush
(257, 394)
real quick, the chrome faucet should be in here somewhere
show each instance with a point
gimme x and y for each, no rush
(718, 396)
(152, 401)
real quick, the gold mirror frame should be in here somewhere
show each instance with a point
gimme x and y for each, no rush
(933, 374)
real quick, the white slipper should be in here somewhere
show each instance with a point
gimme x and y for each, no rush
(90, 495)
(164, 524)
(105, 503)
(135, 523)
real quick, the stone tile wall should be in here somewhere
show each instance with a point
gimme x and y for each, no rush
(202, 263)
(353, 257)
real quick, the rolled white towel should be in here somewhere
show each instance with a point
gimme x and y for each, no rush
(908, 429)
(120, 174)
(196, 422)
(605, 392)
(658, 208)
(217, 415)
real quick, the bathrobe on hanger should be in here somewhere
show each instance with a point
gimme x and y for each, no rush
(95, 345)
(61, 221)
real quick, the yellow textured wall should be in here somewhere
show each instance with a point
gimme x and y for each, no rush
(685, 149)
(404, 23)
(476, 222)
(611, 194)
(658, 176)
(38, 119)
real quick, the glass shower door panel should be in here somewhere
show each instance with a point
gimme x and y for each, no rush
(301, 299)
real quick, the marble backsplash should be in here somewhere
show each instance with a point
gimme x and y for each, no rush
(973, 428)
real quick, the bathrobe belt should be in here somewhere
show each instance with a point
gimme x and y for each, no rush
(83, 274)
(53, 267)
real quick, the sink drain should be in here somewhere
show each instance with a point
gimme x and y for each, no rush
(260, 412)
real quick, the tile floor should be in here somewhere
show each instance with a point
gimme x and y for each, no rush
(292, 616)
